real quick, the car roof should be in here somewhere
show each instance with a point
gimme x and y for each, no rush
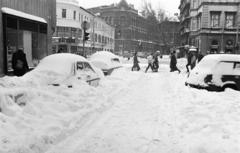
(223, 57)
(103, 54)
(60, 62)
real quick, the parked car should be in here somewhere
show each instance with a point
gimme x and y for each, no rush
(216, 72)
(60, 68)
(106, 61)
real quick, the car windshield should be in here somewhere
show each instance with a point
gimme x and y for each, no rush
(84, 66)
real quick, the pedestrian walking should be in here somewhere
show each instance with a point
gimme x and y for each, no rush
(189, 57)
(173, 63)
(200, 56)
(150, 63)
(135, 63)
(193, 60)
(19, 63)
(155, 62)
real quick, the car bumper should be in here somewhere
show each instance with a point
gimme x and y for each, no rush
(209, 87)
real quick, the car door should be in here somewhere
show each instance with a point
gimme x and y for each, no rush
(236, 73)
(224, 73)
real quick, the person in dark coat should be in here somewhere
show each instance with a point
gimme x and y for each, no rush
(19, 63)
(200, 56)
(173, 63)
(189, 57)
(135, 62)
(155, 65)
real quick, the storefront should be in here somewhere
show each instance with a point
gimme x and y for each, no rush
(22, 30)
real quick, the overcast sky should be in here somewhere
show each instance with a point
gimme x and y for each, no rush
(170, 6)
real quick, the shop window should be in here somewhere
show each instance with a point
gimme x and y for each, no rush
(12, 22)
(43, 28)
(11, 45)
(28, 25)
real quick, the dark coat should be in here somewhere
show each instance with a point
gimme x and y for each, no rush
(173, 61)
(19, 58)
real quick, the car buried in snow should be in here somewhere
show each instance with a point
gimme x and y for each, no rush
(216, 72)
(65, 68)
(106, 61)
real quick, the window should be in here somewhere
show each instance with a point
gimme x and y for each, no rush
(194, 4)
(237, 65)
(64, 13)
(229, 20)
(74, 15)
(194, 24)
(215, 19)
(122, 20)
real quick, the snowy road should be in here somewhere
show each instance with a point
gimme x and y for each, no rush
(157, 114)
(129, 112)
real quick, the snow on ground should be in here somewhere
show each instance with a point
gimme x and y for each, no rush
(133, 112)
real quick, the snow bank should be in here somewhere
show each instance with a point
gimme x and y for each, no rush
(35, 117)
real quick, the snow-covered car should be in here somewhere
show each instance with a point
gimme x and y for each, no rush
(216, 73)
(106, 61)
(65, 68)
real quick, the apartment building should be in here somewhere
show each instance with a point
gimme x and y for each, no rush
(213, 25)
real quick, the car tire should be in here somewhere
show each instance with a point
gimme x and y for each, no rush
(231, 86)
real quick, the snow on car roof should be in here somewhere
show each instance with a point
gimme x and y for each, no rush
(103, 54)
(60, 63)
(222, 57)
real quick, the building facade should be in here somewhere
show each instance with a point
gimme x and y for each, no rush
(169, 36)
(214, 25)
(131, 30)
(25, 24)
(69, 32)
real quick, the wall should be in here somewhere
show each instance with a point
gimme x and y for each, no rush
(1, 42)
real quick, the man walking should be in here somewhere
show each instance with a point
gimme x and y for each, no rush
(173, 63)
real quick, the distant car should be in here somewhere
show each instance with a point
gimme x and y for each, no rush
(216, 72)
(106, 61)
(64, 67)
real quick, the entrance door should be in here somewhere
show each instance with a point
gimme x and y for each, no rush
(27, 45)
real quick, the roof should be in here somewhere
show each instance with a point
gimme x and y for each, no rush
(23, 15)
(223, 57)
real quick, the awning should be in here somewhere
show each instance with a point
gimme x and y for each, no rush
(22, 14)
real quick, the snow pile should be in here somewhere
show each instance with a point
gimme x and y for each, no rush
(34, 117)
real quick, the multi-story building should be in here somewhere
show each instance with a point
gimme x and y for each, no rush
(69, 32)
(169, 36)
(184, 21)
(214, 25)
(131, 30)
(25, 24)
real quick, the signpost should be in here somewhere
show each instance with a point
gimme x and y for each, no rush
(85, 26)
